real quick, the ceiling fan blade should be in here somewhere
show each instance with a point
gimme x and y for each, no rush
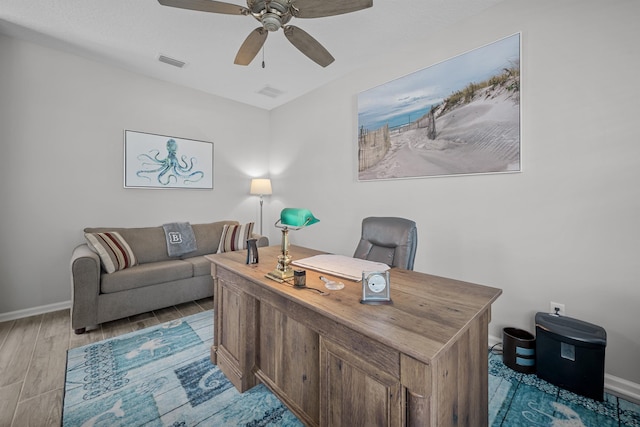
(251, 46)
(308, 45)
(318, 9)
(207, 6)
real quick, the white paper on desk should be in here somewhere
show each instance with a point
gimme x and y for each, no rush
(340, 265)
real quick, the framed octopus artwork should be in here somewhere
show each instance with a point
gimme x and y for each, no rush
(160, 161)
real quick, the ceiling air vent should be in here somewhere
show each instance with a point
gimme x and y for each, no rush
(171, 61)
(271, 92)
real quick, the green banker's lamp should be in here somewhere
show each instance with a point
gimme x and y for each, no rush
(290, 219)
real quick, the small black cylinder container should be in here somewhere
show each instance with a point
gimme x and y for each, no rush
(519, 350)
(252, 251)
(299, 278)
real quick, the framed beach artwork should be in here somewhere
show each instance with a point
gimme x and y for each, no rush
(160, 161)
(460, 116)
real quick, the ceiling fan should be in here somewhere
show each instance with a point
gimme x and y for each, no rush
(273, 15)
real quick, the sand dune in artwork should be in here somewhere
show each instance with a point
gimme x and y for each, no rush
(481, 136)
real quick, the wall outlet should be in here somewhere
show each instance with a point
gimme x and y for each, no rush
(556, 308)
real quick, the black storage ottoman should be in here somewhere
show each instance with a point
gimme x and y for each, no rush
(570, 354)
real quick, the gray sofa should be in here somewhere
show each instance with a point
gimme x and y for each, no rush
(157, 281)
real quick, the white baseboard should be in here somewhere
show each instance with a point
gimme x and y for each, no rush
(618, 386)
(34, 311)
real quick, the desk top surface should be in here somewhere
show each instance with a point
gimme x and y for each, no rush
(427, 315)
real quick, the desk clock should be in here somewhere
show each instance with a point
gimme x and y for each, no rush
(375, 287)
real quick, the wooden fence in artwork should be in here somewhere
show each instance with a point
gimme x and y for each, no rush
(428, 121)
(372, 146)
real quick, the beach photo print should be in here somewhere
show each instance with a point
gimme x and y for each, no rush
(460, 116)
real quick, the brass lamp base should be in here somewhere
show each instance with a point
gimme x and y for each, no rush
(279, 275)
(289, 217)
(283, 271)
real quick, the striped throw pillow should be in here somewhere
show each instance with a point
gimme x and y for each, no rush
(115, 253)
(234, 237)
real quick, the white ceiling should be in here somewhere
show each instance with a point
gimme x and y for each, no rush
(131, 34)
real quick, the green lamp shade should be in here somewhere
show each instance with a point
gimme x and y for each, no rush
(295, 217)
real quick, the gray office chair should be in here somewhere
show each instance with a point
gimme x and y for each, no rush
(390, 240)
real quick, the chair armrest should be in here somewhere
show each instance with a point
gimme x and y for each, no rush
(85, 286)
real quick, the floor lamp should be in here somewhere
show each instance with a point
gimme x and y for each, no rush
(260, 187)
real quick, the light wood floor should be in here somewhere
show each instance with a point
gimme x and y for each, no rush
(33, 354)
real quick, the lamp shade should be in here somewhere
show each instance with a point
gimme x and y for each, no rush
(296, 217)
(260, 186)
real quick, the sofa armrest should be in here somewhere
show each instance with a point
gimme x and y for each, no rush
(85, 287)
(261, 240)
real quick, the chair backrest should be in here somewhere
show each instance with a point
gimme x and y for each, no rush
(390, 240)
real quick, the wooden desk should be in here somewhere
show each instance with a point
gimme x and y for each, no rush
(333, 361)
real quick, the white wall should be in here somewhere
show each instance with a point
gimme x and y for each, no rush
(61, 135)
(565, 229)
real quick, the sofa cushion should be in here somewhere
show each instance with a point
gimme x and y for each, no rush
(207, 237)
(145, 275)
(234, 237)
(115, 254)
(201, 265)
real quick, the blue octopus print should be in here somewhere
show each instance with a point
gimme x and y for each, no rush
(170, 169)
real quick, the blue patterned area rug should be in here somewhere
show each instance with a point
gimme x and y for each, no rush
(162, 376)
(521, 400)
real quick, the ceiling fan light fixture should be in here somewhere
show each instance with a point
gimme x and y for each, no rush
(271, 21)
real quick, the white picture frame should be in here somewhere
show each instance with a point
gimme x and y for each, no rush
(461, 116)
(161, 161)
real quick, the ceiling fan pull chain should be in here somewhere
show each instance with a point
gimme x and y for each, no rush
(262, 56)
